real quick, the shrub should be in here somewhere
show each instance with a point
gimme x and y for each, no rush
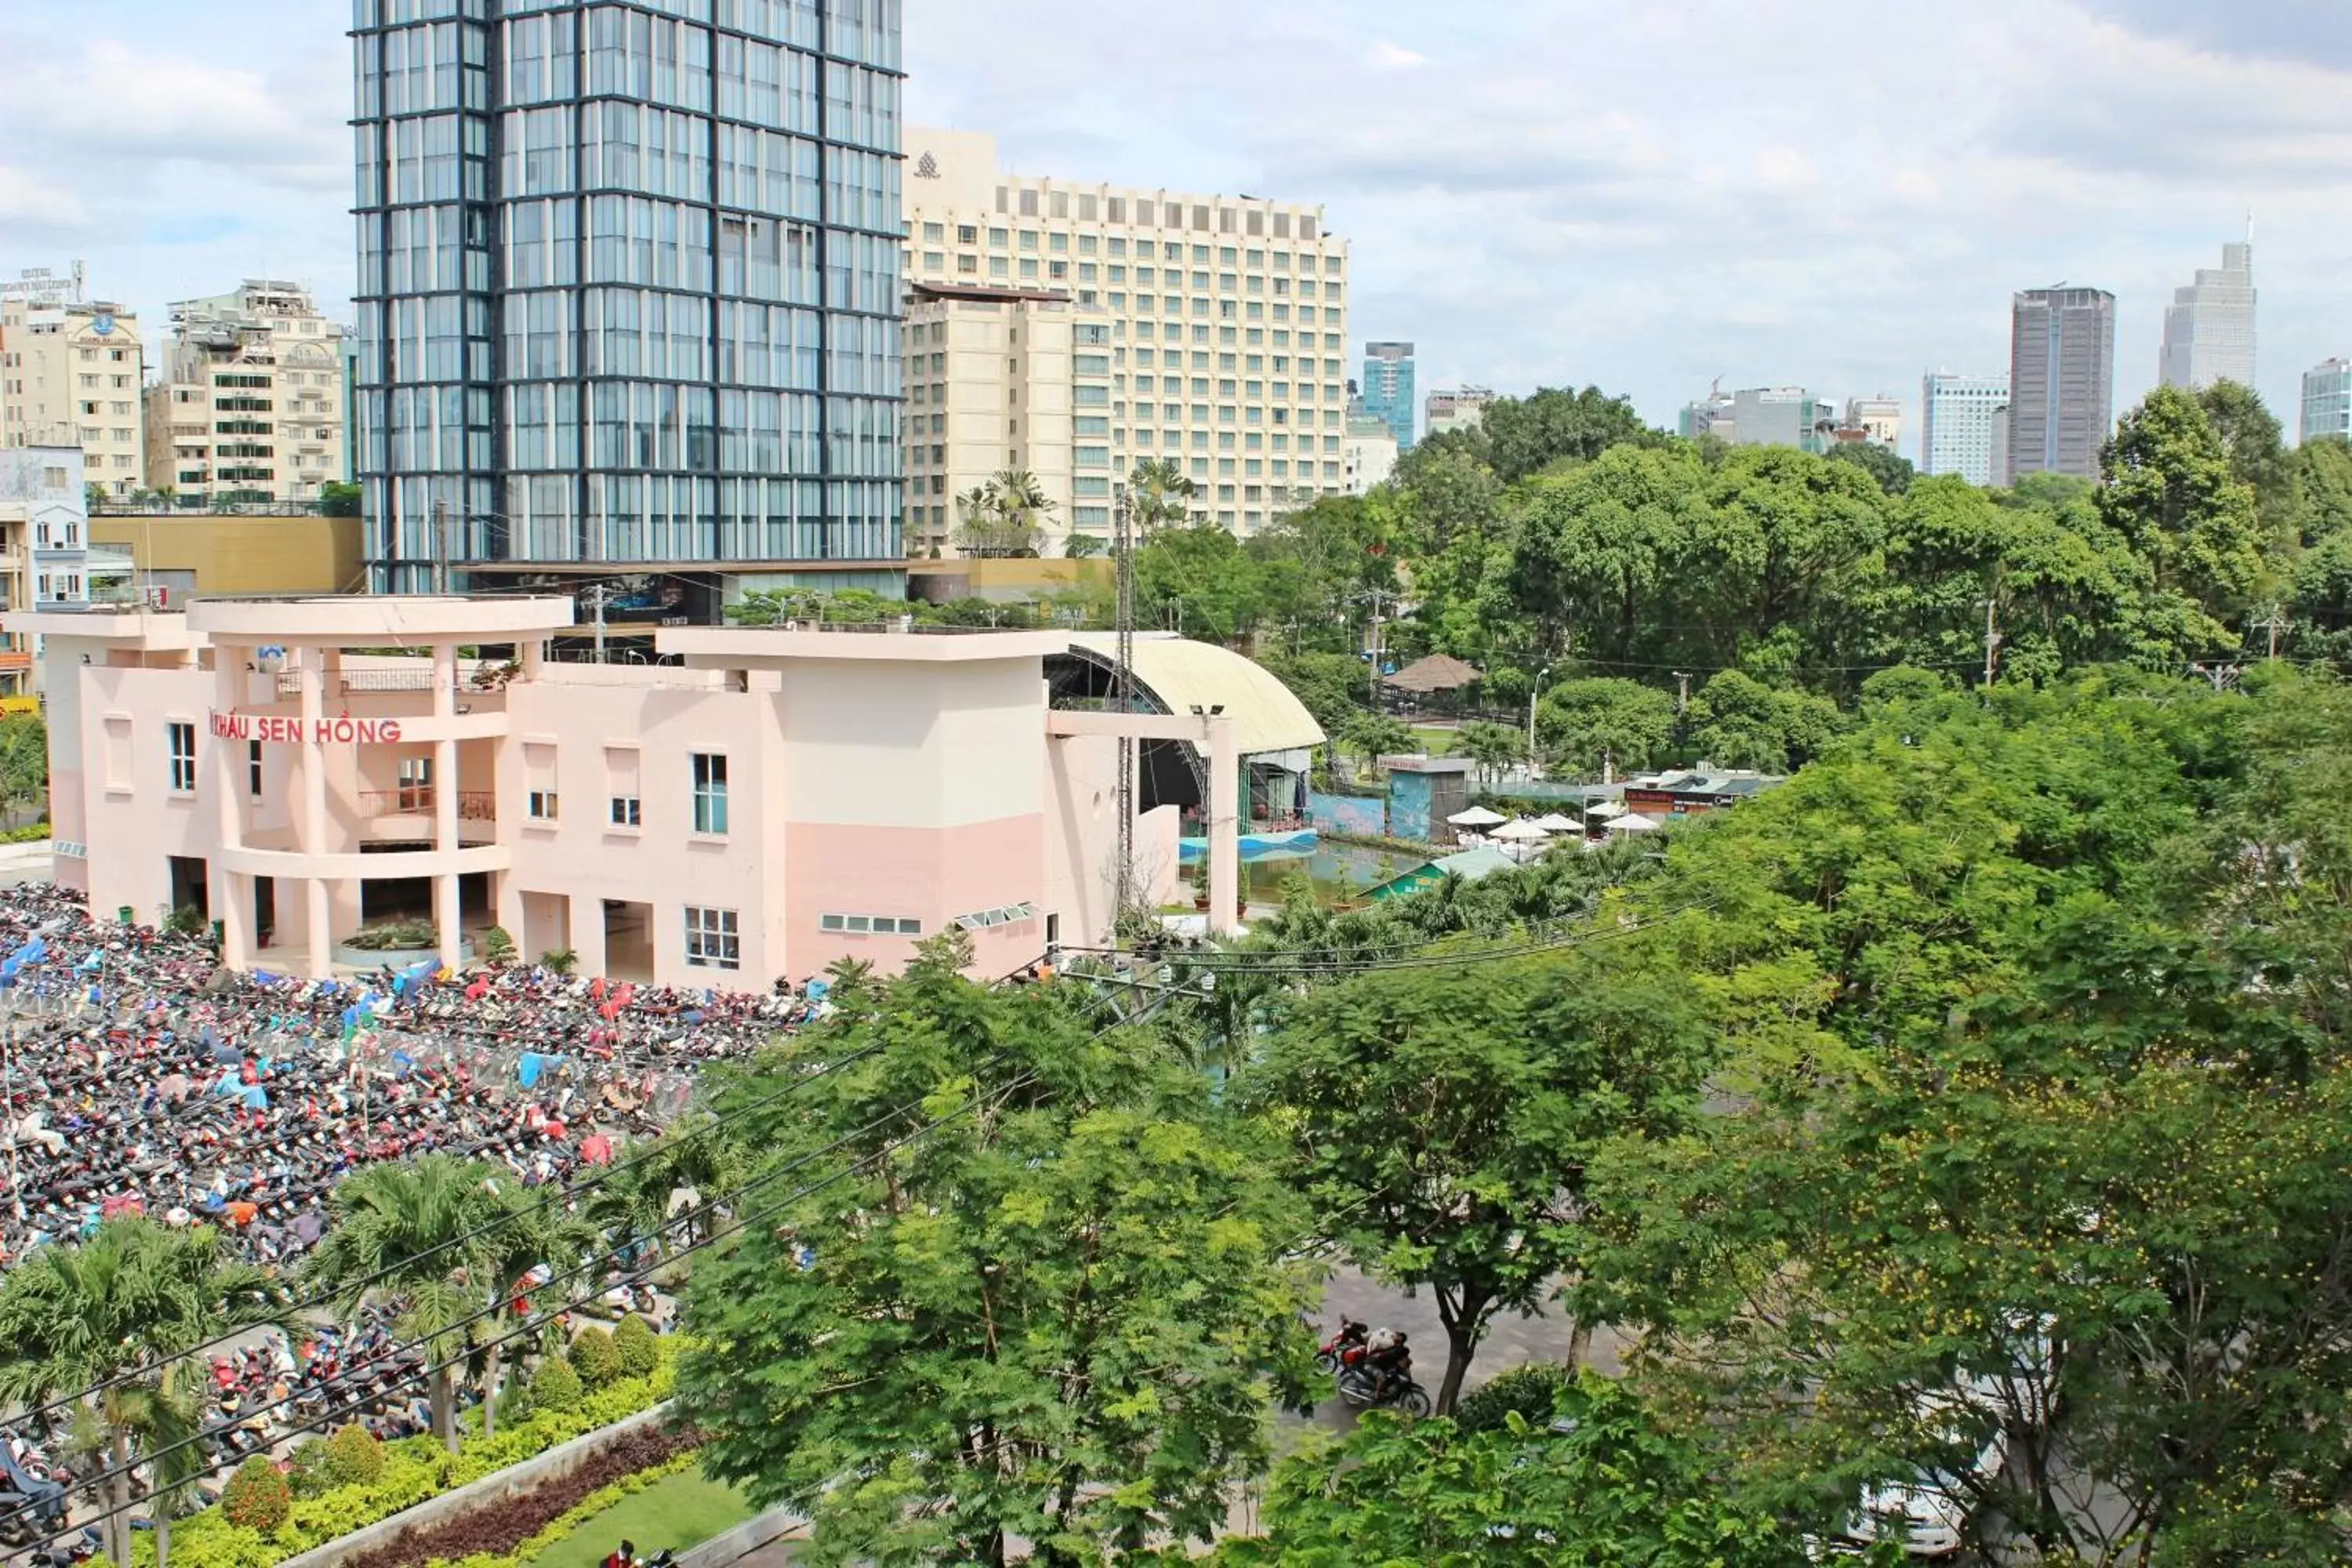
(396, 936)
(258, 1496)
(1532, 1390)
(594, 1358)
(517, 1404)
(556, 1387)
(354, 1458)
(558, 960)
(639, 1348)
(498, 947)
(306, 1469)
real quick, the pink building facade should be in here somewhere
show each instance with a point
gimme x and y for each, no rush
(760, 804)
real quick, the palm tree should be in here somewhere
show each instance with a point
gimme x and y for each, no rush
(449, 1242)
(1158, 494)
(134, 1298)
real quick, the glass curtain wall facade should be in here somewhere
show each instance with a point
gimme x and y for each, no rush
(628, 283)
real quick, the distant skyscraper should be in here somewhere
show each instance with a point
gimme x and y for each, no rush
(1957, 419)
(1459, 410)
(629, 293)
(2327, 400)
(1710, 416)
(1878, 420)
(1782, 416)
(2061, 381)
(2208, 329)
(1388, 389)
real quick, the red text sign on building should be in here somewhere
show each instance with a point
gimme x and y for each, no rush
(271, 728)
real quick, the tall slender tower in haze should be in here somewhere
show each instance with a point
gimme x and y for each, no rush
(628, 292)
(2208, 329)
(1389, 391)
(2061, 381)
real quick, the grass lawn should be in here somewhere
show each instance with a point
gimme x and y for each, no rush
(1436, 742)
(678, 1511)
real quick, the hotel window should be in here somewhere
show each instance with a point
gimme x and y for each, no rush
(710, 794)
(712, 940)
(543, 805)
(628, 811)
(253, 768)
(181, 741)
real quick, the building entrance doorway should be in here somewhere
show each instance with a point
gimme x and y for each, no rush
(191, 886)
(628, 940)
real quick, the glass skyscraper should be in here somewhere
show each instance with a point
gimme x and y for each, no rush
(1387, 391)
(628, 294)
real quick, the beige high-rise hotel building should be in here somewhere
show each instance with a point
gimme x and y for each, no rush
(251, 405)
(70, 368)
(1074, 330)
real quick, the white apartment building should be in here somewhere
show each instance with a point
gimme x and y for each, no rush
(1369, 455)
(2208, 329)
(70, 370)
(251, 405)
(1879, 420)
(1458, 410)
(1958, 432)
(1209, 329)
(2327, 400)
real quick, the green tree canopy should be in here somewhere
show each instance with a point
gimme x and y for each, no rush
(1440, 1117)
(1051, 1297)
(1581, 724)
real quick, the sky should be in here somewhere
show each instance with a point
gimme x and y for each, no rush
(1835, 193)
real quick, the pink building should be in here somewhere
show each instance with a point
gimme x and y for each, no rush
(761, 803)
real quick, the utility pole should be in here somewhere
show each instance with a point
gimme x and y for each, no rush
(1992, 640)
(597, 593)
(2224, 677)
(1682, 692)
(2274, 623)
(1372, 685)
(1122, 700)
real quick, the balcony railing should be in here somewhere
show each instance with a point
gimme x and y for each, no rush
(290, 682)
(473, 806)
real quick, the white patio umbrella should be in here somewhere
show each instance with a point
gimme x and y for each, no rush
(1521, 832)
(1476, 817)
(1633, 822)
(1605, 808)
(1556, 823)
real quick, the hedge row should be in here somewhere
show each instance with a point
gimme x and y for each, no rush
(570, 1522)
(501, 1526)
(415, 1469)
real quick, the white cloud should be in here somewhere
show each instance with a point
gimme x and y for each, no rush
(1841, 193)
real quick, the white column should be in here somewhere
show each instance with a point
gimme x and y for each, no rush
(225, 769)
(447, 908)
(311, 822)
(1224, 827)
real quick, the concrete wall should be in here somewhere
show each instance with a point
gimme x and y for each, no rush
(1349, 814)
(228, 554)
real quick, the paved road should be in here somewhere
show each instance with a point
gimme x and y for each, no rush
(1513, 1341)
